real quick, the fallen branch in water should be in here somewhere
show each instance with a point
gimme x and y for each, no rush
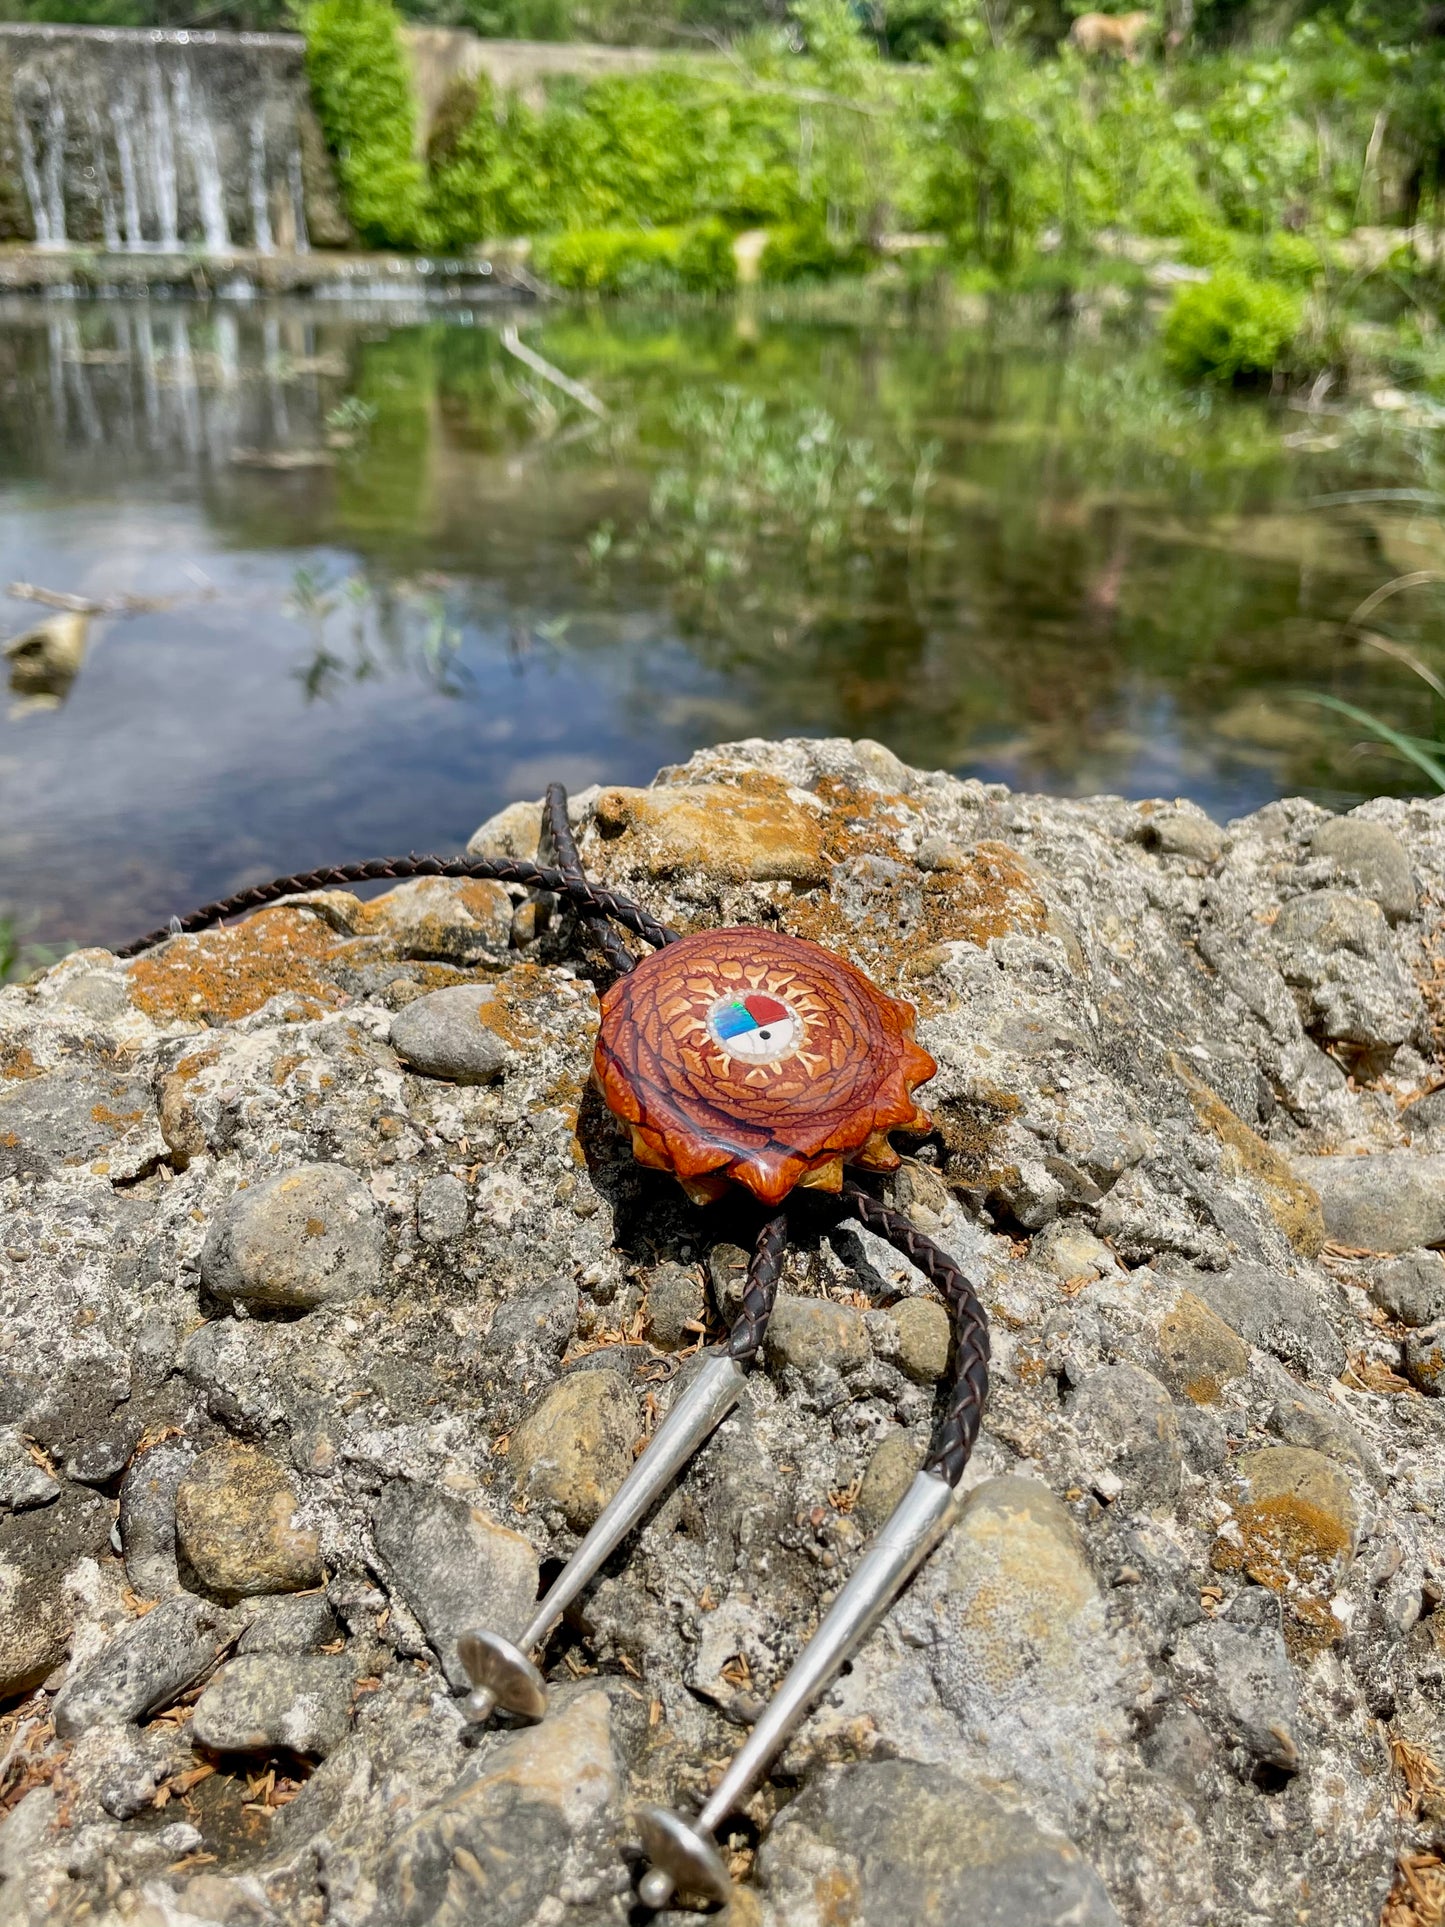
(579, 392)
(80, 605)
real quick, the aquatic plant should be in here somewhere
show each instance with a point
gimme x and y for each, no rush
(1231, 328)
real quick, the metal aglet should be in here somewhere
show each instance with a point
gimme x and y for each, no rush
(501, 1673)
(682, 1852)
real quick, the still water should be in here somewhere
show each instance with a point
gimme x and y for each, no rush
(382, 576)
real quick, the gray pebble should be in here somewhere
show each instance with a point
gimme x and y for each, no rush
(1280, 1314)
(1126, 1424)
(442, 1035)
(309, 1237)
(676, 1305)
(1425, 1360)
(815, 1335)
(145, 1666)
(1374, 857)
(1387, 1201)
(542, 1321)
(24, 1482)
(1238, 1675)
(925, 1338)
(259, 1702)
(290, 1623)
(148, 1518)
(441, 1210)
(1411, 1288)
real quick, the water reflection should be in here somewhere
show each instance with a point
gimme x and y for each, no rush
(354, 579)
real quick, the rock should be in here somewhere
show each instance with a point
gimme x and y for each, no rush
(309, 1237)
(1387, 1201)
(455, 1567)
(291, 1623)
(148, 1518)
(1301, 1416)
(891, 1471)
(1237, 1673)
(105, 1122)
(727, 1278)
(456, 920)
(1292, 1528)
(541, 1321)
(1336, 950)
(1411, 1288)
(236, 1526)
(925, 1338)
(1374, 857)
(1071, 1252)
(513, 831)
(1199, 1353)
(1126, 1425)
(1278, 1313)
(86, 1420)
(1180, 829)
(24, 1481)
(259, 1702)
(442, 1035)
(894, 1841)
(45, 660)
(509, 1824)
(145, 1667)
(1289, 1196)
(675, 1306)
(737, 835)
(37, 1549)
(814, 1335)
(576, 1447)
(441, 1210)
(1425, 1359)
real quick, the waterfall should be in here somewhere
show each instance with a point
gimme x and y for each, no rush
(161, 141)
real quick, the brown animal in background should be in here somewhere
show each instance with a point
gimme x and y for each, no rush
(1110, 33)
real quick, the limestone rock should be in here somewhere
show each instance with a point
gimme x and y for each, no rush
(1337, 951)
(145, 1666)
(454, 1566)
(1126, 1422)
(1411, 1288)
(257, 1703)
(148, 1518)
(1199, 1352)
(236, 1526)
(1180, 829)
(513, 831)
(1277, 1312)
(1425, 1359)
(575, 1448)
(1374, 857)
(37, 1549)
(24, 1481)
(1387, 1201)
(441, 1210)
(676, 1306)
(464, 920)
(893, 1841)
(1237, 1672)
(309, 1237)
(442, 1035)
(1292, 1202)
(738, 835)
(1292, 1528)
(290, 1623)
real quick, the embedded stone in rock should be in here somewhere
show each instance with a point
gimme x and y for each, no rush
(236, 1526)
(460, 920)
(676, 1306)
(1199, 1354)
(513, 831)
(736, 835)
(1387, 1201)
(261, 1701)
(811, 1334)
(1292, 1528)
(924, 1338)
(1280, 1314)
(145, 1666)
(24, 1482)
(148, 1518)
(105, 1120)
(441, 1210)
(497, 1844)
(291, 1623)
(1412, 1288)
(1425, 1359)
(1336, 950)
(1292, 1203)
(443, 1035)
(1374, 856)
(1237, 1672)
(890, 1472)
(309, 1237)
(895, 1841)
(454, 1566)
(37, 1549)
(576, 1447)
(542, 1320)
(1180, 829)
(1126, 1425)
(1302, 1416)
(1020, 1592)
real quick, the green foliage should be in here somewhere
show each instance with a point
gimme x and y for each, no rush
(1231, 328)
(19, 958)
(805, 251)
(639, 261)
(362, 91)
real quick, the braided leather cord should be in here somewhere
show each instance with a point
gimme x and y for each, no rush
(969, 1391)
(496, 869)
(765, 1269)
(557, 833)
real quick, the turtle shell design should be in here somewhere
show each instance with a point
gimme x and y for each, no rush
(747, 1055)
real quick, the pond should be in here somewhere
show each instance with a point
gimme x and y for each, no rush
(367, 574)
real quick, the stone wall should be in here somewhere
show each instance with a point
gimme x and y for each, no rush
(333, 1305)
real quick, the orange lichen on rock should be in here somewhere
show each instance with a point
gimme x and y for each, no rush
(1199, 1353)
(225, 974)
(754, 835)
(16, 1060)
(1293, 1204)
(1293, 1529)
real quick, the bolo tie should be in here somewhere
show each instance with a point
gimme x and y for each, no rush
(739, 1059)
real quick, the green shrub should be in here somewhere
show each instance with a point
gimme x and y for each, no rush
(805, 251)
(461, 157)
(362, 91)
(641, 260)
(1231, 328)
